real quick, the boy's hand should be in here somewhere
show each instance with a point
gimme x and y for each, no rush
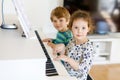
(47, 40)
(51, 44)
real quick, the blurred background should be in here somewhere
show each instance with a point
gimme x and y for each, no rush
(105, 13)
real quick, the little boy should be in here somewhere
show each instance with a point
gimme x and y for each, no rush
(60, 17)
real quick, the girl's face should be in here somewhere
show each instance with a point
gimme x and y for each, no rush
(60, 23)
(80, 29)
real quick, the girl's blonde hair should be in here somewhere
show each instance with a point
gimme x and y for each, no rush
(83, 15)
(60, 12)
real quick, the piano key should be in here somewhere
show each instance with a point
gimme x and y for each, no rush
(52, 74)
(50, 69)
(48, 66)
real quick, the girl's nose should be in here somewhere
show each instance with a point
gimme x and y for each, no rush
(79, 30)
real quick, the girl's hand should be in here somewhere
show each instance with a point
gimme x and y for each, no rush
(62, 57)
(59, 48)
(72, 62)
(47, 40)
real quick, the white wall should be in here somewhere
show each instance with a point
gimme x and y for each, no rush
(38, 12)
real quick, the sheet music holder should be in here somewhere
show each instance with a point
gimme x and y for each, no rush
(22, 17)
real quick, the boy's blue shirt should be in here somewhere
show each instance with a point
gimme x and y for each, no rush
(63, 37)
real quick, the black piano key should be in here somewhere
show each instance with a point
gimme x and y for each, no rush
(48, 66)
(50, 69)
(42, 45)
(48, 61)
(52, 74)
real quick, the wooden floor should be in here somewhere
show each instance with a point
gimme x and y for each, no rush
(105, 72)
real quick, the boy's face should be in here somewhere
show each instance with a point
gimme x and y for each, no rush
(60, 23)
(80, 29)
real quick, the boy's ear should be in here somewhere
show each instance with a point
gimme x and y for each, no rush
(67, 21)
(88, 29)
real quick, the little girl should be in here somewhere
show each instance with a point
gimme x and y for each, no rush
(79, 53)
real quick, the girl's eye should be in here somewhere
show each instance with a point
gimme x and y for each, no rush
(83, 27)
(76, 27)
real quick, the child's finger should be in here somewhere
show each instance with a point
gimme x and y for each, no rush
(56, 59)
(45, 40)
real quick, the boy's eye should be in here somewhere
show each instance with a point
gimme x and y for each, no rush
(54, 21)
(61, 20)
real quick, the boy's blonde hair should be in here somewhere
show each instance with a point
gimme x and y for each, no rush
(83, 15)
(60, 12)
